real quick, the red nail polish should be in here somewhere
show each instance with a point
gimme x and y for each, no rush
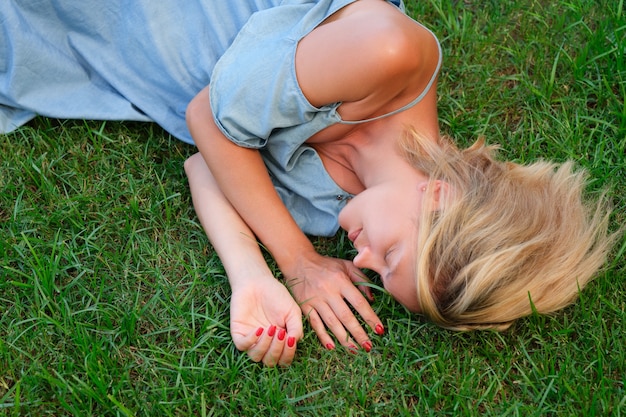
(259, 331)
(367, 346)
(330, 346)
(352, 349)
(281, 334)
(271, 331)
(380, 330)
(291, 341)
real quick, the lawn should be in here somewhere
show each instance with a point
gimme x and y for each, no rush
(112, 301)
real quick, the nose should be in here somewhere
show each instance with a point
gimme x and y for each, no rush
(366, 259)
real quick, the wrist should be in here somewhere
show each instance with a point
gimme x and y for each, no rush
(293, 265)
(246, 274)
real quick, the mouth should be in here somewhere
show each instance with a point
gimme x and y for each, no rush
(354, 235)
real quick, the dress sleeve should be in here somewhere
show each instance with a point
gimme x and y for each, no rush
(254, 90)
(258, 103)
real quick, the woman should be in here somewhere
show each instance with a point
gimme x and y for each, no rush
(486, 240)
(313, 115)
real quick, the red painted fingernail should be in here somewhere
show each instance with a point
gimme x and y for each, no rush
(291, 341)
(259, 331)
(352, 349)
(367, 346)
(281, 334)
(330, 346)
(271, 331)
(380, 330)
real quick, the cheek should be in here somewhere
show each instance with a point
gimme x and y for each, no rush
(404, 293)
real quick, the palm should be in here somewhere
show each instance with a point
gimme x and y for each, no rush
(253, 308)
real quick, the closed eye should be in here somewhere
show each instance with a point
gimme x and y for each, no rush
(389, 264)
(388, 255)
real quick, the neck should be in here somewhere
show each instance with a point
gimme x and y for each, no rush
(377, 147)
(372, 157)
(376, 155)
(367, 155)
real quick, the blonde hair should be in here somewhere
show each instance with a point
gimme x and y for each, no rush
(507, 240)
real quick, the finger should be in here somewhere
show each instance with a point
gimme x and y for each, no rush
(289, 351)
(364, 309)
(335, 321)
(243, 342)
(349, 322)
(257, 351)
(317, 324)
(293, 333)
(293, 325)
(361, 281)
(275, 349)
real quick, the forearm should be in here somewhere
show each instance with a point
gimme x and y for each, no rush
(231, 238)
(242, 177)
(265, 321)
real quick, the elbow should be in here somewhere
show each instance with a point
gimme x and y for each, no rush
(194, 113)
(199, 115)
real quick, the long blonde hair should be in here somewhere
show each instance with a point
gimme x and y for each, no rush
(510, 239)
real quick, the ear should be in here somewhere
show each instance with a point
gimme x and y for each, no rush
(437, 194)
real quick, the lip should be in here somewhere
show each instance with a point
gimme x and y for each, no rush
(354, 235)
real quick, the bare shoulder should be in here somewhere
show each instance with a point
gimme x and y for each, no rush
(367, 52)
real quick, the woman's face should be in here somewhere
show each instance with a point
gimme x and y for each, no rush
(382, 223)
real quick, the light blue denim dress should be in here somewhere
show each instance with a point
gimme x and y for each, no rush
(145, 60)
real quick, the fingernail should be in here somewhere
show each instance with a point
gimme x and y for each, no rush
(367, 346)
(380, 330)
(281, 334)
(259, 331)
(352, 349)
(271, 331)
(330, 346)
(291, 341)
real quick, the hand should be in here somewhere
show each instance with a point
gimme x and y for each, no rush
(265, 321)
(324, 286)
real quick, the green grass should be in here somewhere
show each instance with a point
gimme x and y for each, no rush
(113, 303)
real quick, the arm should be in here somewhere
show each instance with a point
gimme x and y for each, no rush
(322, 283)
(258, 300)
(329, 64)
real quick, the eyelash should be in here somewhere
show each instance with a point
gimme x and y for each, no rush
(389, 252)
